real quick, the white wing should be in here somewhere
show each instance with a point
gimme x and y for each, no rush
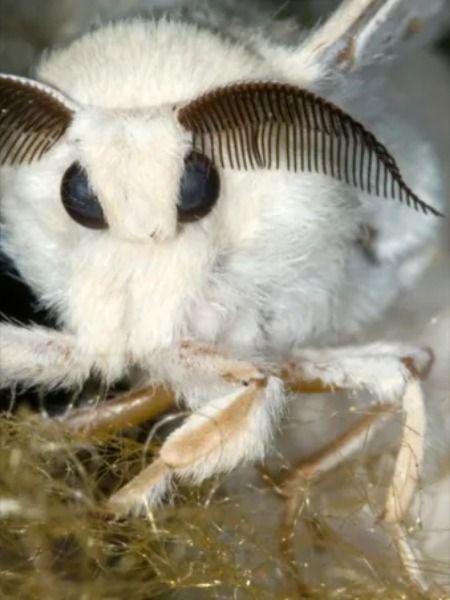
(362, 32)
(357, 35)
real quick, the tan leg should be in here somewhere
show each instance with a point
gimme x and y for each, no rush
(342, 371)
(209, 441)
(388, 377)
(238, 426)
(127, 410)
(342, 448)
(133, 408)
(325, 459)
(290, 487)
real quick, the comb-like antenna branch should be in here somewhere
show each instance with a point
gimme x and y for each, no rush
(276, 125)
(33, 117)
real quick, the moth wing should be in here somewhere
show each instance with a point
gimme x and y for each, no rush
(361, 33)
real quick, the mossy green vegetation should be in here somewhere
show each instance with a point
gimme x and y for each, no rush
(57, 541)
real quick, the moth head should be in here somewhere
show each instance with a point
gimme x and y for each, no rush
(131, 172)
(143, 172)
(133, 162)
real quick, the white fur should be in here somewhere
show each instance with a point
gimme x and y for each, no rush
(276, 265)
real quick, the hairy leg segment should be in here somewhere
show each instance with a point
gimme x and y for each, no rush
(392, 375)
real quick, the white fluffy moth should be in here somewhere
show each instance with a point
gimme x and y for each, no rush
(219, 215)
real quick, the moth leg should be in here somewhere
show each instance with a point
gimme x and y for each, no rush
(40, 356)
(391, 373)
(124, 411)
(137, 406)
(325, 459)
(215, 438)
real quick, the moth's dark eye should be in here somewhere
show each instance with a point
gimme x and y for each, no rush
(79, 200)
(199, 188)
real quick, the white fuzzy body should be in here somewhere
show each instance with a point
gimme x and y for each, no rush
(276, 274)
(275, 265)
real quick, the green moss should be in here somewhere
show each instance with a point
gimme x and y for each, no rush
(56, 542)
